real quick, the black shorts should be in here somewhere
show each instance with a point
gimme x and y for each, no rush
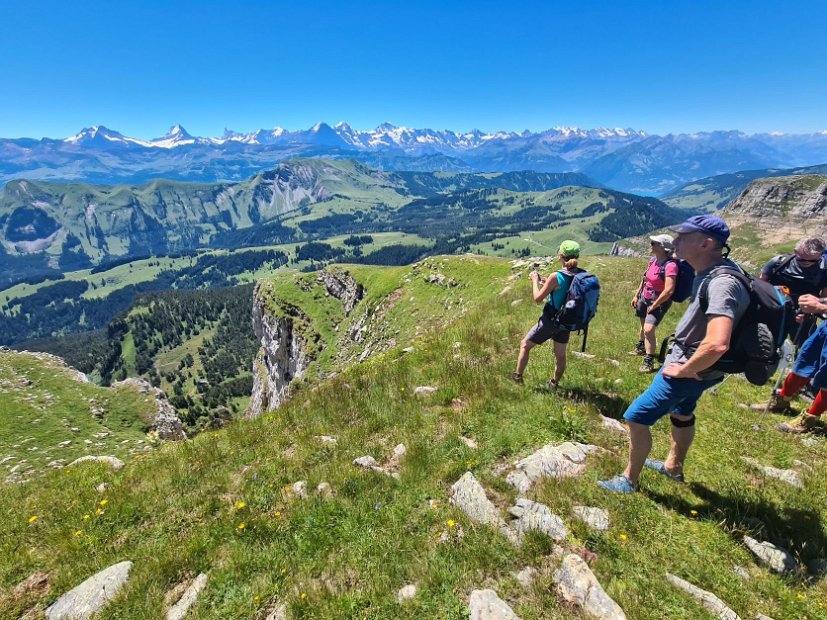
(546, 329)
(655, 317)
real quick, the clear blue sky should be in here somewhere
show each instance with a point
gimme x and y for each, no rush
(661, 66)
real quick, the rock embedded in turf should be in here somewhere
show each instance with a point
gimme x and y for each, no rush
(583, 356)
(112, 461)
(613, 425)
(778, 559)
(577, 585)
(709, 601)
(564, 461)
(526, 576)
(595, 518)
(86, 600)
(279, 613)
(789, 476)
(468, 495)
(424, 390)
(536, 517)
(324, 490)
(406, 593)
(469, 442)
(187, 600)
(486, 605)
(327, 439)
(742, 572)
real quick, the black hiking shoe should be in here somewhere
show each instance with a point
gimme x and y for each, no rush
(640, 349)
(517, 378)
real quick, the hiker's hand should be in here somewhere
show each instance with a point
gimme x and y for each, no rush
(533, 276)
(809, 304)
(650, 309)
(678, 371)
(634, 301)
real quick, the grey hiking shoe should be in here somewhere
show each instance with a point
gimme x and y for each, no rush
(803, 423)
(776, 404)
(517, 378)
(640, 349)
(648, 364)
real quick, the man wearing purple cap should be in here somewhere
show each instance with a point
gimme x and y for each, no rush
(701, 338)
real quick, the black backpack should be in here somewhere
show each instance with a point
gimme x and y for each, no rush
(684, 281)
(755, 344)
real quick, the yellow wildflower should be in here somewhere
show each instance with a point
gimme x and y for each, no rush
(451, 523)
(104, 502)
(303, 595)
(694, 513)
(277, 513)
(33, 518)
(78, 533)
(241, 526)
(256, 598)
(800, 596)
(85, 517)
(623, 537)
(283, 571)
(240, 505)
(99, 512)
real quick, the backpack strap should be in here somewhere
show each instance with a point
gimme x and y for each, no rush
(662, 269)
(703, 289)
(782, 261)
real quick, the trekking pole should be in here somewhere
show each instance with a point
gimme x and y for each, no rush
(585, 337)
(789, 360)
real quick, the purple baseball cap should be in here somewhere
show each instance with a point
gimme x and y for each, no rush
(710, 225)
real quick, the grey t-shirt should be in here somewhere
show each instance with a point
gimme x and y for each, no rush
(726, 296)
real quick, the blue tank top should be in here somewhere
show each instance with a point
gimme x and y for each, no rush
(558, 295)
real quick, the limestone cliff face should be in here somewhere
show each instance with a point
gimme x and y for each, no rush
(280, 359)
(287, 339)
(782, 208)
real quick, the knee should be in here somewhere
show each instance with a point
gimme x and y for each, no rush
(649, 329)
(525, 344)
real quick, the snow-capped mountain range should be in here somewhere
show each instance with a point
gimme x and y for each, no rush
(625, 159)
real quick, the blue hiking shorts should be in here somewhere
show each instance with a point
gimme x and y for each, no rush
(667, 395)
(812, 358)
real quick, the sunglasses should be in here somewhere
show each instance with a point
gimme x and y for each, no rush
(801, 259)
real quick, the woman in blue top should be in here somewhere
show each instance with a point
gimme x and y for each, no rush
(553, 291)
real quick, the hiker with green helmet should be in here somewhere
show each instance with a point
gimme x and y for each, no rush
(553, 291)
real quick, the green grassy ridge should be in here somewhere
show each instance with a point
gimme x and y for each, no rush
(42, 403)
(351, 554)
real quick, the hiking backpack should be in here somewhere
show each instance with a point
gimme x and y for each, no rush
(683, 283)
(756, 342)
(580, 304)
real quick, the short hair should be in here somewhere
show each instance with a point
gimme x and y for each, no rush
(810, 245)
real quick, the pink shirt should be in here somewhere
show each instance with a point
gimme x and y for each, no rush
(653, 284)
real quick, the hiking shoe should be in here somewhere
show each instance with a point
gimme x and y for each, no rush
(640, 349)
(802, 423)
(660, 467)
(648, 364)
(776, 404)
(618, 484)
(517, 378)
(551, 385)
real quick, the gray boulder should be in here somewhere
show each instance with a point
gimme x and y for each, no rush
(113, 461)
(90, 597)
(790, 476)
(468, 495)
(595, 518)
(577, 585)
(486, 605)
(187, 600)
(535, 517)
(563, 461)
(709, 601)
(776, 558)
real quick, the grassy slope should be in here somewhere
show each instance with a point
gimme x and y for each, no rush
(175, 511)
(41, 405)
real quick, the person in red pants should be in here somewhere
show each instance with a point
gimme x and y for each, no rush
(810, 365)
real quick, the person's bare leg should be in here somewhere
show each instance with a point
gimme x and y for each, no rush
(522, 359)
(640, 445)
(650, 342)
(560, 360)
(682, 438)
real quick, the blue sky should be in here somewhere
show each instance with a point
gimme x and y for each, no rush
(674, 66)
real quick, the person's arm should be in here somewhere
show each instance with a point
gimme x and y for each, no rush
(542, 288)
(810, 304)
(665, 295)
(637, 294)
(709, 351)
(767, 269)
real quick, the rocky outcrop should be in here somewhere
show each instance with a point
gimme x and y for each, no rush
(90, 597)
(564, 461)
(486, 605)
(280, 359)
(576, 584)
(711, 602)
(782, 207)
(342, 286)
(166, 422)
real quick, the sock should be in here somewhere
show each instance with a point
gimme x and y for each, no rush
(792, 384)
(819, 405)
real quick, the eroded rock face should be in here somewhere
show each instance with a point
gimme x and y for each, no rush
(468, 495)
(280, 359)
(486, 605)
(166, 423)
(563, 461)
(576, 584)
(342, 286)
(536, 517)
(87, 599)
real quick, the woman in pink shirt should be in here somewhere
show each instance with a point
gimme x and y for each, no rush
(653, 297)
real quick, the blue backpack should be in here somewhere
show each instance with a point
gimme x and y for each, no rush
(684, 281)
(580, 304)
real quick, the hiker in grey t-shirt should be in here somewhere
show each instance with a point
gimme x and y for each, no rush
(701, 338)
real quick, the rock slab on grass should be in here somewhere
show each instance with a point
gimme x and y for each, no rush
(468, 495)
(577, 585)
(613, 425)
(564, 461)
(776, 558)
(486, 605)
(790, 476)
(595, 518)
(187, 600)
(406, 593)
(424, 390)
(535, 517)
(87, 599)
(711, 602)
(279, 613)
(113, 461)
